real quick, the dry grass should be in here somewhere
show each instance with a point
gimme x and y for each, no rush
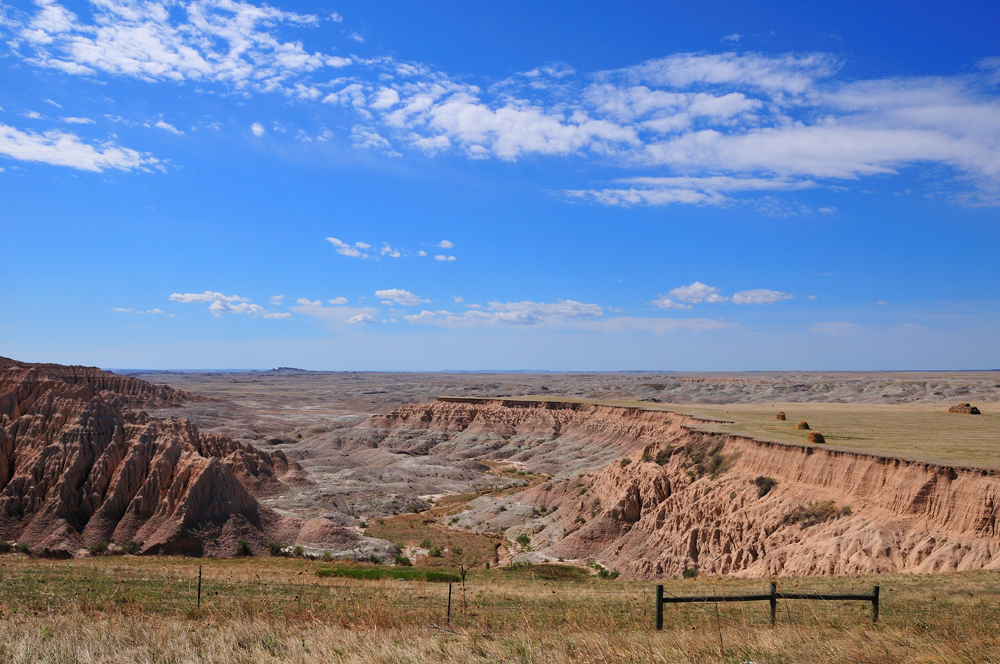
(279, 610)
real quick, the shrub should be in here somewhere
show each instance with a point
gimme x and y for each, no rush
(23, 548)
(690, 573)
(426, 544)
(374, 560)
(715, 464)
(98, 548)
(403, 561)
(274, 549)
(663, 456)
(6, 547)
(645, 456)
(764, 485)
(456, 550)
(523, 539)
(454, 519)
(415, 509)
(608, 574)
(814, 513)
(327, 556)
(298, 551)
(434, 553)
(363, 524)
(243, 548)
(626, 461)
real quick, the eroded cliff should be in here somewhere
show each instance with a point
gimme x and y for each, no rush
(646, 493)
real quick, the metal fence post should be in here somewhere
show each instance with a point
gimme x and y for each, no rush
(449, 602)
(659, 607)
(774, 600)
(875, 605)
(199, 587)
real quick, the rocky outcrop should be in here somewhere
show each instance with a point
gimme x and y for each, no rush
(675, 497)
(78, 466)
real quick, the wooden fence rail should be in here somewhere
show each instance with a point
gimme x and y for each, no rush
(772, 597)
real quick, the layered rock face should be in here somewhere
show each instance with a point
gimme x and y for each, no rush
(78, 466)
(718, 503)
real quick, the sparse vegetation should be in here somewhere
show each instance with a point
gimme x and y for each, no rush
(298, 551)
(23, 548)
(435, 552)
(98, 548)
(374, 560)
(524, 540)
(132, 547)
(426, 544)
(274, 549)
(403, 561)
(764, 485)
(690, 573)
(327, 556)
(243, 548)
(815, 513)
(626, 461)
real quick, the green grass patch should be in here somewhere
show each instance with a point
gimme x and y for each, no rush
(377, 573)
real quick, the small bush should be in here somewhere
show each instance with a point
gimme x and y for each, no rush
(626, 461)
(23, 548)
(374, 560)
(715, 464)
(327, 556)
(274, 549)
(523, 540)
(415, 509)
(98, 548)
(690, 573)
(815, 513)
(6, 547)
(426, 544)
(434, 553)
(363, 524)
(456, 550)
(764, 485)
(243, 548)
(608, 574)
(645, 456)
(663, 457)
(403, 561)
(298, 551)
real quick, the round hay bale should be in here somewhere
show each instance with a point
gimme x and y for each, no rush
(781, 416)
(815, 438)
(802, 425)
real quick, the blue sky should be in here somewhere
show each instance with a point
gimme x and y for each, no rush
(444, 185)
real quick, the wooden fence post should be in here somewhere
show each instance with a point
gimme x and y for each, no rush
(199, 587)
(774, 600)
(875, 605)
(659, 607)
(449, 602)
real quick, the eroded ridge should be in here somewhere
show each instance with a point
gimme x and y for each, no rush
(675, 497)
(78, 466)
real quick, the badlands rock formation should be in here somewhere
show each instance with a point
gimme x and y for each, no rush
(78, 466)
(642, 492)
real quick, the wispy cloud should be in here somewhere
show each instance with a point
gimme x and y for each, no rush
(442, 257)
(257, 129)
(399, 296)
(220, 304)
(60, 148)
(345, 249)
(760, 296)
(168, 127)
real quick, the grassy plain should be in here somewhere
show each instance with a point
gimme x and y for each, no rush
(281, 610)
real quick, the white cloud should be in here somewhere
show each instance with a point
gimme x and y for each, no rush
(421, 253)
(442, 257)
(362, 245)
(276, 299)
(155, 312)
(458, 299)
(226, 304)
(760, 296)
(72, 120)
(306, 302)
(712, 190)
(445, 244)
(336, 18)
(257, 129)
(398, 296)
(65, 149)
(345, 249)
(735, 37)
(225, 41)
(356, 37)
(338, 301)
(389, 251)
(169, 127)
(49, 101)
(361, 318)
(207, 296)
(697, 292)
(33, 115)
(663, 302)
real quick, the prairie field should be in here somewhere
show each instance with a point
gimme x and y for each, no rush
(144, 609)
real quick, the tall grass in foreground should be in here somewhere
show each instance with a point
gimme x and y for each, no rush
(280, 610)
